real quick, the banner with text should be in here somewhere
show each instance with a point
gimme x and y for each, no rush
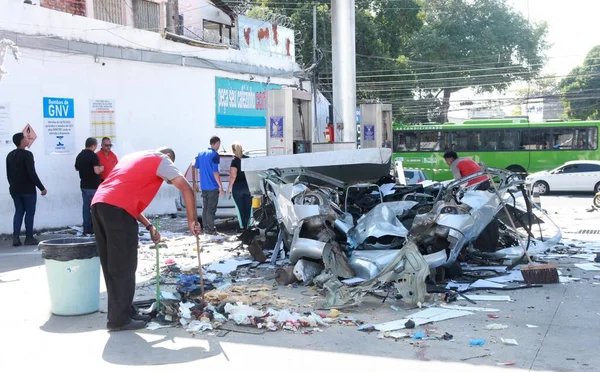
(241, 104)
(59, 125)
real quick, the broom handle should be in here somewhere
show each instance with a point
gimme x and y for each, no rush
(156, 247)
(512, 223)
(200, 275)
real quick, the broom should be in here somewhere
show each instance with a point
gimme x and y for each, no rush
(200, 275)
(156, 247)
(532, 274)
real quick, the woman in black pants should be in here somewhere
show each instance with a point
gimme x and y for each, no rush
(238, 187)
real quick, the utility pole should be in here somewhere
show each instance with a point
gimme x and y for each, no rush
(314, 75)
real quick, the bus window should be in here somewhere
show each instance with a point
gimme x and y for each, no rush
(466, 140)
(491, 139)
(431, 141)
(592, 138)
(563, 138)
(405, 141)
(536, 139)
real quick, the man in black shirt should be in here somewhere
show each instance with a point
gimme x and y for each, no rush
(88, 166)
(22, 178)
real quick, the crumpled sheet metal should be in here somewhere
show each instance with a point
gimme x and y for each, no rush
(379, 222)
(408, 270)
(367, 264)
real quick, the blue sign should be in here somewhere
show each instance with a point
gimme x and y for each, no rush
(276, 127)
(368, 132)
(63, 108)
(240, 103)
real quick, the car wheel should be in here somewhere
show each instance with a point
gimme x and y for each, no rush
(597, 188)
(542, 187)
(597, 201)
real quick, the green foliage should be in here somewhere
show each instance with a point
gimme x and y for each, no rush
(579, 90)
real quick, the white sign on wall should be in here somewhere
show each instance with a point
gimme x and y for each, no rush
(102, 119)
(5, 124)
(59, 125)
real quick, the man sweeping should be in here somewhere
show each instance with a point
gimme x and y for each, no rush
(116, 210)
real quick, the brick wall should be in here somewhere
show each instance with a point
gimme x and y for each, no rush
(75, 7)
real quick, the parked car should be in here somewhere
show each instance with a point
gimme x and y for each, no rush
(226, 211)
(579, 175)
(414, 176)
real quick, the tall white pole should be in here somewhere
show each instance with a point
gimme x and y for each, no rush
(343, 43)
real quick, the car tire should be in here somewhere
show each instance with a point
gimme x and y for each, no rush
(597, 201)
(543, 187)
(597, 188)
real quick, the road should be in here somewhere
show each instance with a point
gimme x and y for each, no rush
(567, 318)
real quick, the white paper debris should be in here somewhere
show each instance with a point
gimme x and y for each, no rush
(459, 287)
(394, 335)
(198, 326)
(509, 341)
(168, 296)
(588, 267)
(227, 266)
(496, 327)
(487, 298)
(433, 314)
(514, 276)
(531, 326)
(469, 308)
(486, 284)
(152, 326)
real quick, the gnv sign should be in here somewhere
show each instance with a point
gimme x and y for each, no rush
(59, 122)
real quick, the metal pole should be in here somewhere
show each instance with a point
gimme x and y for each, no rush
(343, 45)
(315, 124)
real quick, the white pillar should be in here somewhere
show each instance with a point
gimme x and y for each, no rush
(344, 67)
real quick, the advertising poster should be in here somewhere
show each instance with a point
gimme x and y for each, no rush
(241, 104)
(5, 125)
(276, 140)
(368, 132)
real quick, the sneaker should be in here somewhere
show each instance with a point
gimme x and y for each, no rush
(30, 240)
(597, 259)
(16, 241)
(131, 325)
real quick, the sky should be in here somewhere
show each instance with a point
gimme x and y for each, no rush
(572, 29)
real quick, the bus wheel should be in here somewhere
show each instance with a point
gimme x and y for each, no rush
(519, 170)
(542, 187)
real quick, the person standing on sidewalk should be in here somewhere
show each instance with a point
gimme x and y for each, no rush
(238, 187)
(89, 168)
(116, 210)
(22, 180)
(207, 164)
(107, 158)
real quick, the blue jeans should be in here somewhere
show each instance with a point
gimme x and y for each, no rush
(24, 206)
(87, 195)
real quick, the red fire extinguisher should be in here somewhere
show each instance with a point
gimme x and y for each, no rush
(329, 133)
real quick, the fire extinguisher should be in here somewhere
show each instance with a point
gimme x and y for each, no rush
(329, 133)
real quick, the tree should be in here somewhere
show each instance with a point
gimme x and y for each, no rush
(580, 89)
(484, 44)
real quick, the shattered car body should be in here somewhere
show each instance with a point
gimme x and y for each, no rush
(397, 244)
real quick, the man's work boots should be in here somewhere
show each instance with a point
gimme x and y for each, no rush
(131, 325)
(30, 240)
(597, 259)
(16, 241)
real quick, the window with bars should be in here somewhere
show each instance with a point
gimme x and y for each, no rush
(109, 11)
(146, 15)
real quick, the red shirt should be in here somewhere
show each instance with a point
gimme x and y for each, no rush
(108, 162)
(467, 167)
(132, 184)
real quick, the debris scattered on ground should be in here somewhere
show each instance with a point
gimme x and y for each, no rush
(477, 342)
(423, 317)
(509, 341)
(496, 327)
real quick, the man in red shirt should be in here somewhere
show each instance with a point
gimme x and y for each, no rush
(463, 167)
(116, 209)
(107, 158)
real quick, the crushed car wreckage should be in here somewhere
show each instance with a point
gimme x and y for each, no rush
(345, 227)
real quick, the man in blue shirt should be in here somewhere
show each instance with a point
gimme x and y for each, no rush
(207, 164)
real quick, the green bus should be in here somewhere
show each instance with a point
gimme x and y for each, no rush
(513, 144)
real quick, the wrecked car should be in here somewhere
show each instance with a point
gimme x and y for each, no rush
(398, 243)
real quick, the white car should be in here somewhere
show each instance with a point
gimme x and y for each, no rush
(414, 176)
(580, 175)
(226, 210)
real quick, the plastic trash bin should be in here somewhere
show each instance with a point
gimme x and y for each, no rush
(73, 270)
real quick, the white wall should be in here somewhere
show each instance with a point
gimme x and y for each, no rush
(156, 105)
